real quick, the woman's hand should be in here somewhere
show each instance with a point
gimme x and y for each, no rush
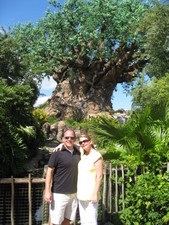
(58, 148)
(94, 199)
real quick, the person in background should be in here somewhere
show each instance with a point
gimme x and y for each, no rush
(62, 171)
(89, 180)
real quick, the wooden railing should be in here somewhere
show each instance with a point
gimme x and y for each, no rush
(112, 191)
(28, 181)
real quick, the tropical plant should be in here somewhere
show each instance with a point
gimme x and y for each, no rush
(143, 141)
(20, 134)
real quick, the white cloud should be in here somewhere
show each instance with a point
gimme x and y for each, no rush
(47, 87)
(48, 84)
(41, 100)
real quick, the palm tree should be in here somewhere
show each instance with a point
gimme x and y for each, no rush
(141, 139)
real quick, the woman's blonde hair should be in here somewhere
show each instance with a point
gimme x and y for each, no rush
(86, 136)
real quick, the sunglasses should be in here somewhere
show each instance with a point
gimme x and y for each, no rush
(68, 137)
(84, 141)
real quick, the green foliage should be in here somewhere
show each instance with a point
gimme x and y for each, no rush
(155, 25)
(74, 29)
(20, 134)
(154, 93)
(40, 116)
(10, 62)
(52, 119)
(141, 141)
(147, 201)
(12, 150)
(44, 105)
(83, 124)
(15, 103)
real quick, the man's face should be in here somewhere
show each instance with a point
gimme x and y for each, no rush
(69, 139)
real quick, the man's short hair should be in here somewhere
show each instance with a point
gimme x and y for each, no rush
(68, 130)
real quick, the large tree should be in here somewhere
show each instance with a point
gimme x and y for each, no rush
(88, 47)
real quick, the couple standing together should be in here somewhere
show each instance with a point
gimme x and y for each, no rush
(76, 173)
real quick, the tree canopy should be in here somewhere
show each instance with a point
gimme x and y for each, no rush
(155, 26)
(153, 93)
(79, 32)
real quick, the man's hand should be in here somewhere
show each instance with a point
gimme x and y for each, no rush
(48, 197)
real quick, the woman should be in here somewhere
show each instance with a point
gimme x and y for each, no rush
(89, 181)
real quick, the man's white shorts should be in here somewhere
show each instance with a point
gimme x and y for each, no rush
(63, 206)
(88, 212)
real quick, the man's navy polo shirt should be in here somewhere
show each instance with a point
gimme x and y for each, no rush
(65, 172)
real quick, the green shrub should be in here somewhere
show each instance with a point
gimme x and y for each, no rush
(40, 116)
(13, 150)
(20, 134)
(52, 119)
(147, 201)
(44, 105)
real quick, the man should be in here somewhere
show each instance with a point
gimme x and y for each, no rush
(63, 168)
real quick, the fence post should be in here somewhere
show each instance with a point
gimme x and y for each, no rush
(104, 192)
(122, 173)
(12, 200)
(30, 200)
(167, 167)
(116, 189)
(110, 189)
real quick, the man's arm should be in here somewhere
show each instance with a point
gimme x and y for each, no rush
(59, 147)
(49, 175)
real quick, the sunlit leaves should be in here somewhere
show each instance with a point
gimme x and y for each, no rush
(155, 25)
(66, 33)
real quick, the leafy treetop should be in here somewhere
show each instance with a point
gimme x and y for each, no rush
(81, 32)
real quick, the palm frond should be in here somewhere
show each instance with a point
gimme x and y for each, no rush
(29, 131)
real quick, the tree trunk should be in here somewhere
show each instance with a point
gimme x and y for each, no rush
(81, 97)
(85, 88)
(68, 100)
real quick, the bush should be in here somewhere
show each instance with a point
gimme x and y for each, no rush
(20, 134)
(147, 201)
(40, 116)
(52, 119)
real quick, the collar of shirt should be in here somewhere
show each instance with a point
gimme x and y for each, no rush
(71, 151)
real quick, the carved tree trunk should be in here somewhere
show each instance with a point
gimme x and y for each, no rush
(85, 89)
(80, 98)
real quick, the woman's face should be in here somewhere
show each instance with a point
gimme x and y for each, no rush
(85, 143)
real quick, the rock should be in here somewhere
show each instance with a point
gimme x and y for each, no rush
(46, 129)
(61, 128)
(37, 162)
(53, 131)
(121, 116)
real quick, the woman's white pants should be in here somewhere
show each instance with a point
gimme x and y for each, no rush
(88, 212)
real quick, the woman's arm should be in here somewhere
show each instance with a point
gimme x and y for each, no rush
(99, 175)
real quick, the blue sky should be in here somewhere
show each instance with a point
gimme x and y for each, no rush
(22, 11)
